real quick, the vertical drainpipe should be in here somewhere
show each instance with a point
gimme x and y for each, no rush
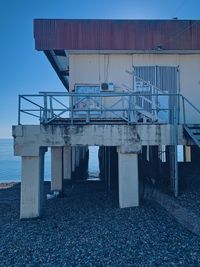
(176, 122)
(19, 110)
(175, 141)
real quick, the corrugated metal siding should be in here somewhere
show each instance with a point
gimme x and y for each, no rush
(116, 34)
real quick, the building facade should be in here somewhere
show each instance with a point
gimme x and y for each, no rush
(132, 88)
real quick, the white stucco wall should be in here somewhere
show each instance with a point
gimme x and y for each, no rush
(98, 68)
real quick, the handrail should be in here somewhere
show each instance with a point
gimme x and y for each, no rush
(104, 94)
(123, 106)
(190, 103)
(83, 105)
(22, 96)
(141, 79)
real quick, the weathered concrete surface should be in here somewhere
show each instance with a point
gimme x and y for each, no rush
(67, 162)
(32, 187)
(56, 168)
(183, 215)
(187, 154)
(28, 138)
(73, 158)
(128, 180)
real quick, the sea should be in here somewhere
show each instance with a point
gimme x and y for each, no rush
(10, 165)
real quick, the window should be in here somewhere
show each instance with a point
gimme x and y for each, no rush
(84, 103)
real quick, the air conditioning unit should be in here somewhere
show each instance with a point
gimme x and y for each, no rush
(107, 87)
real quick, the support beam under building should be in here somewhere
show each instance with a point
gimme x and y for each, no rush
(187, 153)
(67, 162)
(57, 168)
(128, 179)
(32, 185)
(173, 166)
(77, 157)
(73, 158)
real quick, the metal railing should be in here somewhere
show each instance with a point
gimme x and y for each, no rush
(188, 106)
(128, 107)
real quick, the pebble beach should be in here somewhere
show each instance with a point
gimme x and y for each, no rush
(86, 228)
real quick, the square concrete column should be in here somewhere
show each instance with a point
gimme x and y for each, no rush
(56, 168)
(77, 157)
(128, 180)
(187, 153)
(73, 158)
(42, 167)
(32, 186)
(67, 162)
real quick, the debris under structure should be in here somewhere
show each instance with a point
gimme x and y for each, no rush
(131, 87)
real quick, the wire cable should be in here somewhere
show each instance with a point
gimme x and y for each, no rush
(181, 32)
(179, 7)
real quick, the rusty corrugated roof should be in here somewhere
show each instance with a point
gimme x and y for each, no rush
(116, 34)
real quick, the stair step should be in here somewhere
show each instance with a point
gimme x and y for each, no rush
(193, 126)
(194, 133)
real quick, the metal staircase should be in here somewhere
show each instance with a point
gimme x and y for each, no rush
(147, 102)
(193, 130)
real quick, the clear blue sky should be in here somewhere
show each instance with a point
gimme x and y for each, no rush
(24, 70)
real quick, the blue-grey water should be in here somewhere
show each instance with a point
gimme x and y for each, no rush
(10, 166)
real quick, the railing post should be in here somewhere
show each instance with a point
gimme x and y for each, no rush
(45, 109)
(156, 103)
(19, 110)
(178, 108)
(40, 115)
(88, 110)
(51, 106)
(133, 105)
(72, 109)
(129, 107)
(101, 103)
(183, 103)
(175, 143)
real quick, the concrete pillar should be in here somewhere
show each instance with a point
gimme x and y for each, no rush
(82, 152)
(187, 153)
(67, 162)
(173, 165)
(113, 168)
(73, 158)
(143, 164)
(42, 164)
(195, 154)
(106, 165)
(86, 158)
(154, 163)
(56, 168)
(77, 157)
(32, 186)
(101, 162)
(128, 179)
(148, 153)
(83, 166)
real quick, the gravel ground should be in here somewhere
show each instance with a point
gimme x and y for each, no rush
(85, 228)
(190, 197)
